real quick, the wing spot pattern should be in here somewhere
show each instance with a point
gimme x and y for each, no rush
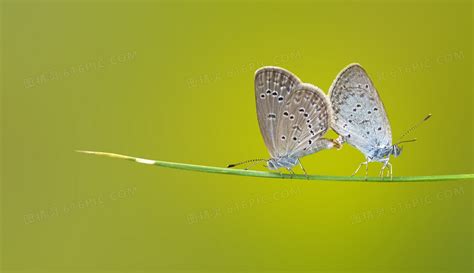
(297, 128)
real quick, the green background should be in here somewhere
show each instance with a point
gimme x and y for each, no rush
(174, 81)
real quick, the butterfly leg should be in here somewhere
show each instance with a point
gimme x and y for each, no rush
(291, 172)
(305, 173)
(366, 169)
(366, 163)
(389, 169)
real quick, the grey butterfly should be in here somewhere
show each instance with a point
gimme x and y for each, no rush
(292, 115)
(360, 119)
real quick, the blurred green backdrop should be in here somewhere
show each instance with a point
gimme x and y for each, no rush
(174, 81)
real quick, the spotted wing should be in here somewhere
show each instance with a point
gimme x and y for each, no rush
(358, 112)
(272, 87)
(304, 119)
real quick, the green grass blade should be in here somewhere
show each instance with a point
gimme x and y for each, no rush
(219, 170)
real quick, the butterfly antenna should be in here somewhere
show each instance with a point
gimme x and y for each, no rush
(405, 141)
(245, 162)
(411, 130)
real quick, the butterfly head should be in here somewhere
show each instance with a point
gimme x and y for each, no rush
(396, 150)
(272, 164)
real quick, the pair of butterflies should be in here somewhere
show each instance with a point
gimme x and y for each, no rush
(294, 116)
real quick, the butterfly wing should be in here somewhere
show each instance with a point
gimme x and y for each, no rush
(272, 88)
(358, 112)
(304, 120)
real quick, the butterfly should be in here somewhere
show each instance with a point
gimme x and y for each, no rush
(292, 116)
(360, 119)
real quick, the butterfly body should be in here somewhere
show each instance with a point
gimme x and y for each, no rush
(380, 154)
(287, 162)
